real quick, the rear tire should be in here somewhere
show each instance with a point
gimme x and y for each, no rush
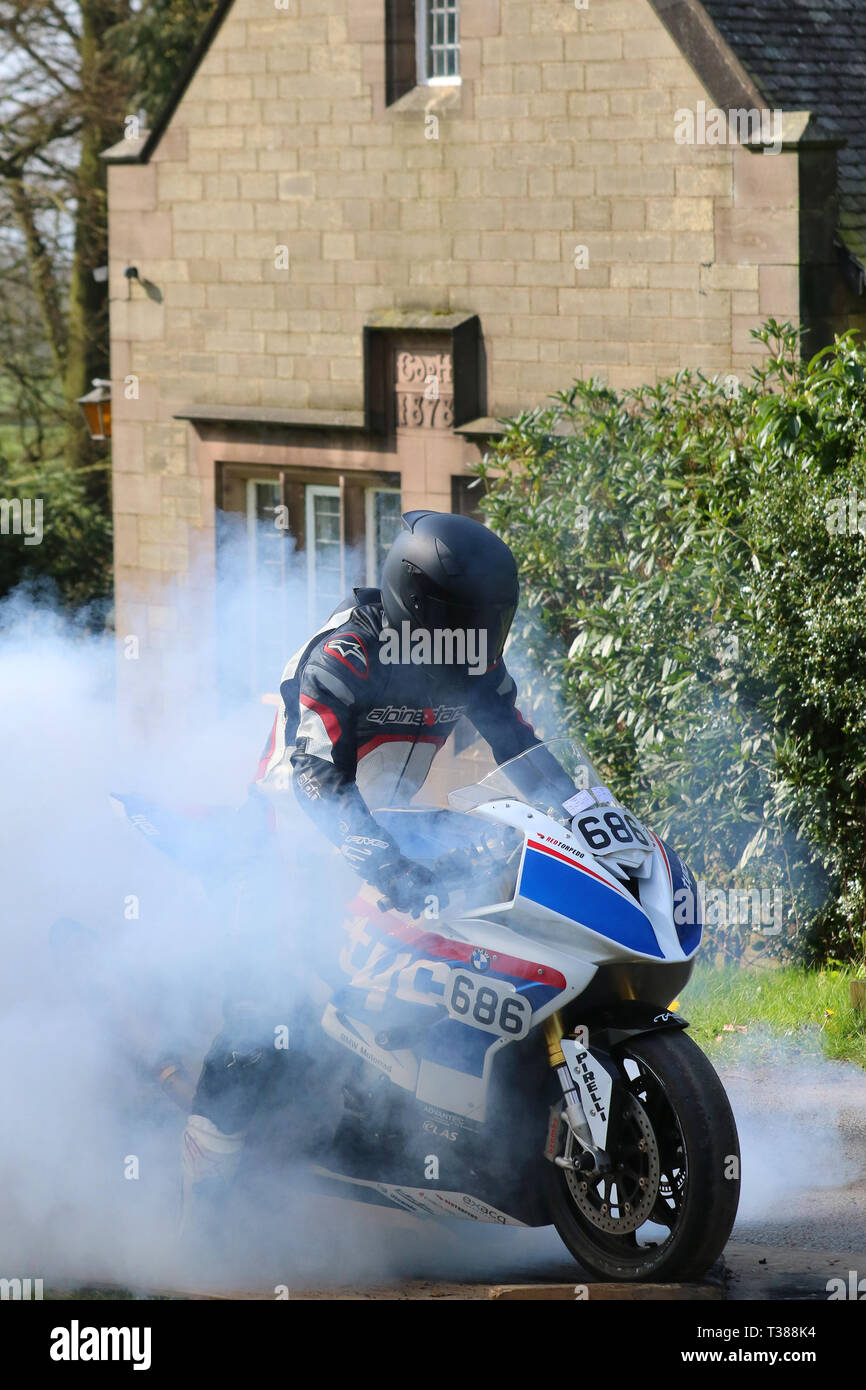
(698, 1158)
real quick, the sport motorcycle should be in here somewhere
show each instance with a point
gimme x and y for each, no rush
(512, 1056)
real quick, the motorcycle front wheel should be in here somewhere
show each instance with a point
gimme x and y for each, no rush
(666, 1209)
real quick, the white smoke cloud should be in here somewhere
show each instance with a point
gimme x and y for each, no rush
(117, 958)
(87, 1012)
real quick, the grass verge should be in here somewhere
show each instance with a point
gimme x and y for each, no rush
(736, 1007)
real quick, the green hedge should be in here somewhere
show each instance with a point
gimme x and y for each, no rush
(691, 601)
(72, 563)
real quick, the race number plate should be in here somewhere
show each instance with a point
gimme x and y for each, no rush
(487, 1004)
(605, 829)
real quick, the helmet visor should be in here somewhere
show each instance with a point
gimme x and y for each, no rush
(474, 633)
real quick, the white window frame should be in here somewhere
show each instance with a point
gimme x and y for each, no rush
(370, 530)
(312, 491)
(252, 518)
(422, 8)
(257, 678)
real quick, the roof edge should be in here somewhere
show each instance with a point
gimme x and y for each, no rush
(709, 54)
(117, 155)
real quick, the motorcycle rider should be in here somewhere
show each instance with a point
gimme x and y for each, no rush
(368, 701)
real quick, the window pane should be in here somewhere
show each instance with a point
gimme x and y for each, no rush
(442, 38)
(325, 568)
(384, 511)
(267, 497)
(257, 669)
(388, 513)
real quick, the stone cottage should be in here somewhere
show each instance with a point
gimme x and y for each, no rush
(363, 231)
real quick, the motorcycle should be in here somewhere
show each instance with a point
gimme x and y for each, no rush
(512, 1056)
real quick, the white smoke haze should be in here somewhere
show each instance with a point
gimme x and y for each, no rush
(801, 1119)
(87, 1014)
(138, 969)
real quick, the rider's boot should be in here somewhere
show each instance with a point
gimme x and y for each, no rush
(209, 1162)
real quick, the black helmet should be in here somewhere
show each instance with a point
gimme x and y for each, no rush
(449, 572)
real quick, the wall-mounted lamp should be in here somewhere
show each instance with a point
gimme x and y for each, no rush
(97, 409)
(151, 290)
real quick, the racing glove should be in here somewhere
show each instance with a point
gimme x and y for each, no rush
(408, 885)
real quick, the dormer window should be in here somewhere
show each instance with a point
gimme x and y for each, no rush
(437, 39)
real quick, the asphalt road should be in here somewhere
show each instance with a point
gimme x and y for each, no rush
(802, 1220)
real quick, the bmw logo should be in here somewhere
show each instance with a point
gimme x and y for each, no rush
(480, 960)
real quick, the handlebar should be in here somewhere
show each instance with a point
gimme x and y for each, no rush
(461, 867)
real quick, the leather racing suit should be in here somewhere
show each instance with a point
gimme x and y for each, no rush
(358, 731)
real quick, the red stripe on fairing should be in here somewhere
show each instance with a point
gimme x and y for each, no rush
(545, 849)
(398, 738)
(327, 716)
(434, 945)
(664, 856)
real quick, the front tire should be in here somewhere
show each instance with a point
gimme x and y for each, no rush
(680, 1146)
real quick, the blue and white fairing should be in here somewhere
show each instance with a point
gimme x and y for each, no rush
(575, 888)
(593, 882)
(567, 898)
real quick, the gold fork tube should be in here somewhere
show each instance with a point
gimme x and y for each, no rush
(553, 1031)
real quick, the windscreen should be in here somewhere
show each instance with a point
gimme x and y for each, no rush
(544, 777)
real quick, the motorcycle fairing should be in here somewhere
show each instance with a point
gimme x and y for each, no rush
(557, 877)
(398, 977)
(391, 962)
(548, 878)
(421, 1202)
(687, 915)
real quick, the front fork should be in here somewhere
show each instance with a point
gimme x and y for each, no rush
(591, 1158)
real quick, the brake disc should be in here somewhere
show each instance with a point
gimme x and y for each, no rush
(634, 1179)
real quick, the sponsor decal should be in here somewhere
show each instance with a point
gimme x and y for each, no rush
(357, 848)
(481, 1211)
(553, 1127)
(431, 1203)
(560, 844)
(398, 1197)
(449, 1118)
(440, 1131)
(405, 714)
(351, 651)
(143, 824)
(376, 1059)
(591, 1084)
(309, 786)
